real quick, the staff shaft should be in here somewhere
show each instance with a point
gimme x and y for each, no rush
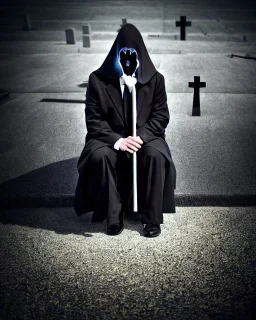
(134, 172)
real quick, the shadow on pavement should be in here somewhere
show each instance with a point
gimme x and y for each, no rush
(43, 198)
(62, 221)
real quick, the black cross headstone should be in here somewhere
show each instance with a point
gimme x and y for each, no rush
(183, 23)
(196, 100)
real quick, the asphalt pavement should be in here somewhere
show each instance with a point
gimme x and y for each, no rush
(55, 265)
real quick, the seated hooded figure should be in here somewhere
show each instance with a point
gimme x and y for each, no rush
(105, 165)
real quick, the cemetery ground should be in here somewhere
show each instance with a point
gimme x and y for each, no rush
(55, 265)
(58, 266)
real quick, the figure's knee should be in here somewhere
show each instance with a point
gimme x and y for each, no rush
(100, 154)
(150, 154)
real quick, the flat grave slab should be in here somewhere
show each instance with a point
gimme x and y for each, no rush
(68, 72)
(170, 33)
(217, 70)
(41, 141)
(245, 15)
(240, 26)
(86, 12)
(154, 45)
(101, 25)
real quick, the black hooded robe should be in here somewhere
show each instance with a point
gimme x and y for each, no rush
(106, 123)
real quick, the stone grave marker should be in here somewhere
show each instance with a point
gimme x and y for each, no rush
(86, 35)
(124, 21)
(196, 99)
(70, 35)
(183, 23)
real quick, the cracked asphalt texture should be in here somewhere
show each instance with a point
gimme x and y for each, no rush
(55, 265)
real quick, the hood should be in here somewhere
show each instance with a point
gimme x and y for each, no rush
(128, 38)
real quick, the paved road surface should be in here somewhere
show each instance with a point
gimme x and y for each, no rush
(55, 265)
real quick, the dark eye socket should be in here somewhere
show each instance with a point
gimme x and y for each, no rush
(128, 55)
(122, 55)
(133, 55)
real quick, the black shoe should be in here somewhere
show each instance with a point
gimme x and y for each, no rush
(152, 230)
(115, 229)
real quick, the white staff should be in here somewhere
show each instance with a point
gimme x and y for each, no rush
(134, 159)
(130, 81)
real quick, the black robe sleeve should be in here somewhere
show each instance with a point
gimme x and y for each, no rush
(159, 115)
(97, 127)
